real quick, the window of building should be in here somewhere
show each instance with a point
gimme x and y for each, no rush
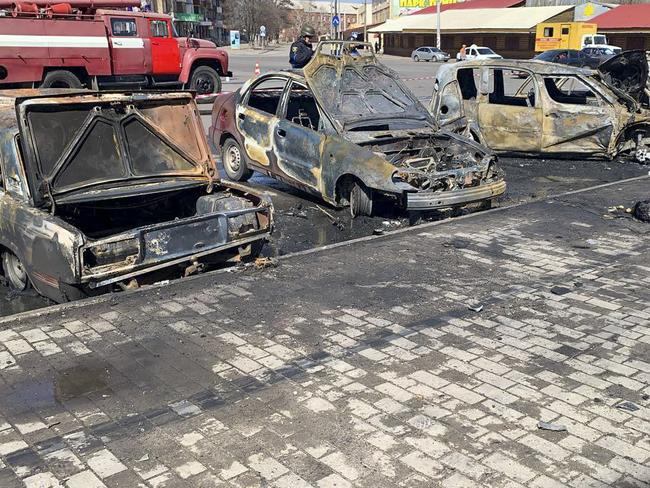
(265, 96)
(548, 31)
(123, 27)
(512, 42)
(159, 28)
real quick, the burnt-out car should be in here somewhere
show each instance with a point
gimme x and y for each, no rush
(102, 190)
(346, 129)
(547, 108)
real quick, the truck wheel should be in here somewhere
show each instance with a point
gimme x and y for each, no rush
(14, 271)
(234, 162)
(205, 80)
(360, 200)
(61, 79)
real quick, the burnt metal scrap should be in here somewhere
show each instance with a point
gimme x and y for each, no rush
(535, 107)
(345, 128)
(104, 189)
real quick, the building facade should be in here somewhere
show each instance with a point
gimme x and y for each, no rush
(200, 18)
(319, 15)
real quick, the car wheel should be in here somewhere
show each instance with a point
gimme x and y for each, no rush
(416, 58)
(234, 163)
(14, 271)
(61, 78)
(360, 200)
(205, 80)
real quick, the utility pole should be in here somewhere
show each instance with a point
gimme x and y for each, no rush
(365, 21)
(336, 13)
(438, 2)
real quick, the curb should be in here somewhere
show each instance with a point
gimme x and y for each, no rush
(417, 228)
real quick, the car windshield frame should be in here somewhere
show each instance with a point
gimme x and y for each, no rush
(484, 50)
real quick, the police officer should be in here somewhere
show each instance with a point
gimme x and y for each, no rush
(301, 50)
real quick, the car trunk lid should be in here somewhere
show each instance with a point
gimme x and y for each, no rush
(77, 143)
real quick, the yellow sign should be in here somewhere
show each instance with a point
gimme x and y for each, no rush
(589, 10)
(422, 3)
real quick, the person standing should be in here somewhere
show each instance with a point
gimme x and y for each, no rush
(462, 55)
(301, 51)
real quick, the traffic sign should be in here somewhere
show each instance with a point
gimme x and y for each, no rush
(262, 31)
(336, 21)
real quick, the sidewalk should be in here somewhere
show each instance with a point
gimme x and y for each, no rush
(420, 359)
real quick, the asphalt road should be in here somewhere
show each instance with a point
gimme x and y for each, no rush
(303, 222)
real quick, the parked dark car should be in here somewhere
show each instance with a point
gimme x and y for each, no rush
(114, 188)
(569, 57)
(599, 54)
(345, 128)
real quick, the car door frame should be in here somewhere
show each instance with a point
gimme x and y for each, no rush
(496, 121)
(584, 130)
(256, 128)
(165, 49)
(288, 161)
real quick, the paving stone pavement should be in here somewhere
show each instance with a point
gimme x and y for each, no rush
(422, 359)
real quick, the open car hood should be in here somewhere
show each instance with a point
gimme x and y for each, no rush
(352, 85)
(626, 73)
(82, 142)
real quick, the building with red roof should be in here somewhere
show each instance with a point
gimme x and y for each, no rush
(626, 26)
(472, 4)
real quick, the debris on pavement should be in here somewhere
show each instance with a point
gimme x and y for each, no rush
(560, 290)
(642, 211)
(475, 308)
(265, 262)
(627, 406)
(549, 426)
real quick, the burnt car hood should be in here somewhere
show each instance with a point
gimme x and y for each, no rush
(359, 88)
(77, 144)
(626, 73)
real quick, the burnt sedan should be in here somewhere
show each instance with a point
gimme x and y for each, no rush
(554, 109)
(346, 129)
(114, 189)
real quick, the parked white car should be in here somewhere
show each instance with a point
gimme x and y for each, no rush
(427, 53)
(479, 52)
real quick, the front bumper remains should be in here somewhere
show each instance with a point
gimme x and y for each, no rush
(432, 200)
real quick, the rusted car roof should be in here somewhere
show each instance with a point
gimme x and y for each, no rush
(530, 64)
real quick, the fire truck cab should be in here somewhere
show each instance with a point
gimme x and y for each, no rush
(73, 45)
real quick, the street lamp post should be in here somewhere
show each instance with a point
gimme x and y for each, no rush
(365, 21)
(336, 13)
(438, 2)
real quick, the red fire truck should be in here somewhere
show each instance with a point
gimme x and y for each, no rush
(78, 44)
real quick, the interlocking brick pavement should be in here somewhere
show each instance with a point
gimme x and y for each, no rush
(368, 365)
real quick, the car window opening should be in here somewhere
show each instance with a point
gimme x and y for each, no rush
(569, 90)
(506, 94)
(266, 96)
(467, 83)
(302, 109)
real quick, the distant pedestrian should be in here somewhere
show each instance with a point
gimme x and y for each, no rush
(376, 46)
(462, 55)
(301, 51)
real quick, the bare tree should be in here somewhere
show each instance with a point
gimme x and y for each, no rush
(248, 15)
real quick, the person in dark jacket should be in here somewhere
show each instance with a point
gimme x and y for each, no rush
(301, 51)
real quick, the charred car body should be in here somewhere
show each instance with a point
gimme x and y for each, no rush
(553, 110)
(346, 129)
(100, 189)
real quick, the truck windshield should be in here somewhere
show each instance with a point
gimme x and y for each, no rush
(600, 40)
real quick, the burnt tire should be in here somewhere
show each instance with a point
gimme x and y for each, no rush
(642, 211)
(61, 78)
(205, 80)
(360, 200)
(14, 272)
(234, 161)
